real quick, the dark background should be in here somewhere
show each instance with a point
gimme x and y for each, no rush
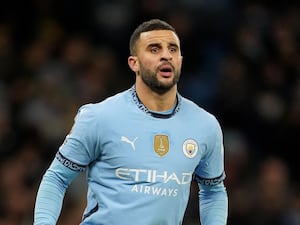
(241, 63)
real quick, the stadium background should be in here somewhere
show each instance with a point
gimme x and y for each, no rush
(241, 62)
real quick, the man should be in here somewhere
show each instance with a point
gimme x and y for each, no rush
(141, 148)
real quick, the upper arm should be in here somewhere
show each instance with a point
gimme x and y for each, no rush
(210, 170)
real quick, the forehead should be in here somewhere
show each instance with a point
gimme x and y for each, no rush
(159, 36)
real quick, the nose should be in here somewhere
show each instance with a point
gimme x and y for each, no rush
(166, 55)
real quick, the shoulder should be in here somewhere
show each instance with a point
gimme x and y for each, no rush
(200, 117)
(191, 108)
(107, 105)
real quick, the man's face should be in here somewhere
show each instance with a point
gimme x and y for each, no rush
(159, 59)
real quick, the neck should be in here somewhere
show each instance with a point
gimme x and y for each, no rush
(154, 101)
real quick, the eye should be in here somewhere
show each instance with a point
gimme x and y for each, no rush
(173, 49)
(154, 49)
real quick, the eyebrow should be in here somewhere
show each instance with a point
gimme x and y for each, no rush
(159, 45)
(153, 45)
(174, 45)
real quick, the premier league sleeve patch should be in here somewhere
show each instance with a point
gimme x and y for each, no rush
(190, 148)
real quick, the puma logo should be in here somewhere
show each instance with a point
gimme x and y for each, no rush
(125, 139)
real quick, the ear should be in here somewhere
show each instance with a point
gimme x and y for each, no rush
(133, 63)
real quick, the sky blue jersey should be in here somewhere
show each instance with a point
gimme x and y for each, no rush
(139, 163)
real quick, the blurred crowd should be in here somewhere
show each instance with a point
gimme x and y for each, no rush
(241, 62)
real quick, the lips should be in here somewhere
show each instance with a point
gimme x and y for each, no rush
(166, 70)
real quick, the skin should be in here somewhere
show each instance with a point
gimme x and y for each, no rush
(157, 66)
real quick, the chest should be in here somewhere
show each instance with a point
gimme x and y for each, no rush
(167, 145)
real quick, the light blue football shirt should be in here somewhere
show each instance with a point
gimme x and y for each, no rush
(140, 164)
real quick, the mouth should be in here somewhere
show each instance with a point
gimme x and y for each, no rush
(166, 70)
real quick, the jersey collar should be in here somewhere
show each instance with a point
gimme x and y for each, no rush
(142, 107)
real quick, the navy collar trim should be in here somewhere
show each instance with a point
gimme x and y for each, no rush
(142, 107)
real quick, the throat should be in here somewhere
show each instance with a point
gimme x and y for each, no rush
(156, 109)
(160, 104)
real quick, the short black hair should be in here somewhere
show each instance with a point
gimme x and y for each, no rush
(153, 24)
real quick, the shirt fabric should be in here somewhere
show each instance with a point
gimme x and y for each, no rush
(139, 164)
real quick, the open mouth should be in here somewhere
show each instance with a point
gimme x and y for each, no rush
(165, 70)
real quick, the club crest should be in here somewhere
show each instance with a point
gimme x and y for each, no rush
(190, 148)
(161, 144)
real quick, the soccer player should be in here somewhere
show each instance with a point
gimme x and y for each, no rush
(142, 147)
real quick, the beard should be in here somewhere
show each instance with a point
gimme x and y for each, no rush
(150, 79)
